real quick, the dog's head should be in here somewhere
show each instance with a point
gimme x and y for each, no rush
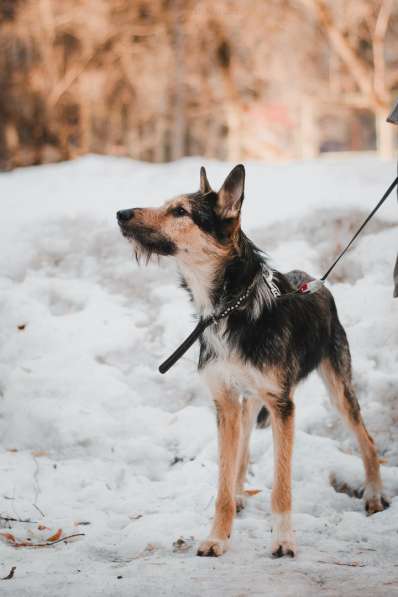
(189, 227)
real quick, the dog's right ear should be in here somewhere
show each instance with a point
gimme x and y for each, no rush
(204, 183)
(231, 194)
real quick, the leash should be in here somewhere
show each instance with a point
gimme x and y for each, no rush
(314, 285)
(200, 328)
(305, 288)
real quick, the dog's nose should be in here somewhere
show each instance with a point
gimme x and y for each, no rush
(124, 215)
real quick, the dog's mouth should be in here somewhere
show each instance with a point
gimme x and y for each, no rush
(148, 241)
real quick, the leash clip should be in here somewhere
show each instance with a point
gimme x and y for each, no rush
(310, 287)
(269, 276)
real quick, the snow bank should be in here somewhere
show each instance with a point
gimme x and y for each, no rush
(90, 432)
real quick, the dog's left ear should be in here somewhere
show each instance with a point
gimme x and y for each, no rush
(204, 183)
(230, 196)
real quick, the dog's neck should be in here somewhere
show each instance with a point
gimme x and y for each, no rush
(199, 279)
(212, 282)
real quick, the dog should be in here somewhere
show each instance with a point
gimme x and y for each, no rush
(270, 340)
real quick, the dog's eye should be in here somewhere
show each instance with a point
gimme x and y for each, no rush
(179, 212)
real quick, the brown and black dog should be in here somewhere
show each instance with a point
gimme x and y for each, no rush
(256, 355)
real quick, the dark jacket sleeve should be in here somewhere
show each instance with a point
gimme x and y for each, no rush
(393, 119)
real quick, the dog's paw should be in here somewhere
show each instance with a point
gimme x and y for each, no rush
(212, 548)
(284, 548)
(283, 543)
(240, 501)
(376, 504)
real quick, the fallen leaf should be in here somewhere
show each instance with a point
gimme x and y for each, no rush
(9, 537)
(10, 575)
(251, 492)
(13, 450)
(55, 537)
(39, 453)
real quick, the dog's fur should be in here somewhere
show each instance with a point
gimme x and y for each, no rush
(259, 353)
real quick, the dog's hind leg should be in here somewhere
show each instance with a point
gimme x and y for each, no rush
(282, 419)
(336, 373)
(250, 410)
(229, 431)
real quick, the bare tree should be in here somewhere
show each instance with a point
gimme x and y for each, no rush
(159, 80)
(366, 27)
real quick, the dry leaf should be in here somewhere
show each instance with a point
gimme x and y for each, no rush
(39, 453)
(10, 575)
(251, 492)
(55, 537)
(13, 450)
(9, 537)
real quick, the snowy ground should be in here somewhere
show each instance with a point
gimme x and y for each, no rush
(90, 432)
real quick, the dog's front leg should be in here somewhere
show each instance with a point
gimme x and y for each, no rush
(250, 409)
(282, 417)
(229, 431)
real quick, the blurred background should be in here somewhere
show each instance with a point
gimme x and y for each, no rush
(160, 79)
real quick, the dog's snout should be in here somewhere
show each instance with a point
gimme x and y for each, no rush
(124, 215)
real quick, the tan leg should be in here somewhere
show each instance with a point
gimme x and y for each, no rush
(250, 410)
(229, 432)
(343, 397)
(282, 418)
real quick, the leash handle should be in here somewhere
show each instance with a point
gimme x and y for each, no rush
(358, 232)
(182, 349)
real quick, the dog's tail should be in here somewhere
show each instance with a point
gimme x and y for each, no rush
(263, 419)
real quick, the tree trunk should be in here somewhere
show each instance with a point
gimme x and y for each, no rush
(385, 135)
(234, 132)
(179, 123)
(309, 139)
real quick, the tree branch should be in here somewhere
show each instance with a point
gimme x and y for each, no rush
(379, 77)
(359, 70)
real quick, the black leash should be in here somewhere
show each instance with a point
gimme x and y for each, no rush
(314, 285)
(305, 288)
(200, 328)
(358, 232)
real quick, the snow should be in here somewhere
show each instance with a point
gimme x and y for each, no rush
(91, 432)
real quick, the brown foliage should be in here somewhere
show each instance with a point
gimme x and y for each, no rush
(158, 79)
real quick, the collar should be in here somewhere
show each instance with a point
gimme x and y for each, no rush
(204, 323)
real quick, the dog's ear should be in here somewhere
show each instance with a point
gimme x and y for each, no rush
(204, 183)
(230, 196)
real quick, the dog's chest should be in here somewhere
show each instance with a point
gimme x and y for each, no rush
(216, 341)
(225, 362)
